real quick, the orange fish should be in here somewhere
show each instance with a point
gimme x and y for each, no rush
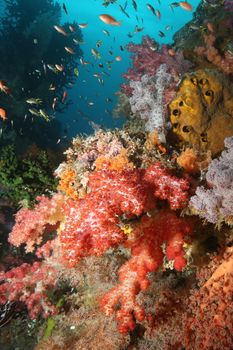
(118, 58)
(60, 30)
(72, 29)
(64, 96)
(171, 52)
(4, 88)
(210, 27)
(3, 114)
(83, 25)
(69, 50)
(186, 6)
(109, 20)
(59, 67)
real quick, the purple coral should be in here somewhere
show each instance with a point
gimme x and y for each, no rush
(215, 203)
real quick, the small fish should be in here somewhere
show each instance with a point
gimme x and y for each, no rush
(194, 27)
(44, 68)
(106, 32)
(101, 65)
(110, 52)
(161, 34)
(84, 63)
(121, 48)
(78, 42)
(130, 35)
(59, 67)
(69, 50)
(99, 43)
(96, 75)
(186, 6)
(134, 5)
(118, 58)
(64, 96)
(72, 29)
(83, 25)
(54, 103)
(76, 72)
(60, 30)
(91, 103)
(52, 87)
(171, 52)
(123, 11)
(35, 41)
(101, 81)
(12, 123)
(52, 68)
(168, 27)
(158, 14)
(109, 20)
(34, 101)
(34, 111)
(137, 29)
(95, 54)
(58, 141)
(64, 8)
(151, 8)
(4, 88)
(3, 114)
(44, 115)
(108, 99)
(174, 4)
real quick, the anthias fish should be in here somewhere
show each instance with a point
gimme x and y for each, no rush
(60, 30)
(109, 20)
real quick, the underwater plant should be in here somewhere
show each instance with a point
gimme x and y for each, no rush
(23, 178)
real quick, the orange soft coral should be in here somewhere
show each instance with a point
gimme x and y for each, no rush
(66, 183)
(118, 163)
(190, 160)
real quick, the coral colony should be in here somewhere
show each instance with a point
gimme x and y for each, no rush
(134, 248)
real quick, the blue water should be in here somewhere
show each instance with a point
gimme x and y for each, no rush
(87, 86)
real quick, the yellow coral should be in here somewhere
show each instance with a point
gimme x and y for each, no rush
(202, 111)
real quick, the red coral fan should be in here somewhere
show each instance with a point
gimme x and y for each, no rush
(146, 256)
(91, 225)
(32, 223)
(209, 322)
(29, 284)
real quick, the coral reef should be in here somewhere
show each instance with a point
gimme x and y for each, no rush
(214, 202)
(202, 111)
(117, 256)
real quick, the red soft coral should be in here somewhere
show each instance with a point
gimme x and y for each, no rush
(146, 256)
(92, 224)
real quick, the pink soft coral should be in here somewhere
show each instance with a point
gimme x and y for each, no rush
(32, 223)
(29, 284)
